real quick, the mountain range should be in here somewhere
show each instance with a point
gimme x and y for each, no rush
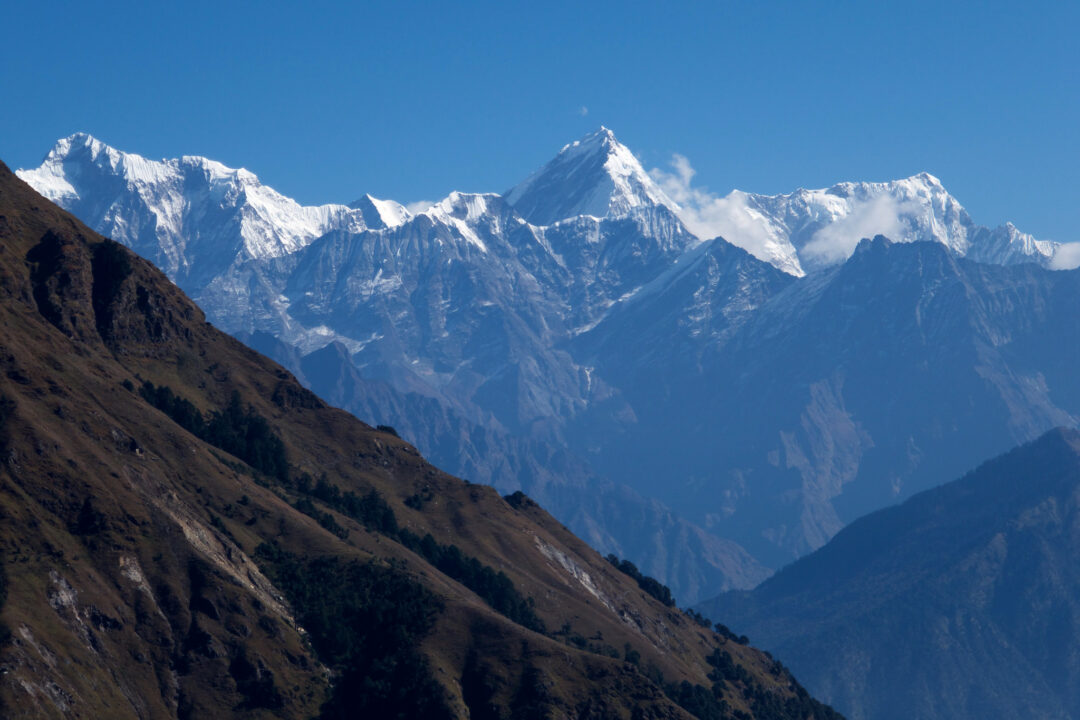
(709, 407)
(960, 603)
(188, 532)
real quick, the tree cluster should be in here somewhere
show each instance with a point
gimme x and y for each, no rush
(374, 513)
(237, 430)
(765, 704)
(650, 585)
(496, 589)
(366, 621)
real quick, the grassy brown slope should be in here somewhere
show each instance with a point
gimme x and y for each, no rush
(128, 542)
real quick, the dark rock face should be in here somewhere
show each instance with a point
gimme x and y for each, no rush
(963, 602)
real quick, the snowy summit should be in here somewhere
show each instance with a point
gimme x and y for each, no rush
(189, 215)
(595, 176)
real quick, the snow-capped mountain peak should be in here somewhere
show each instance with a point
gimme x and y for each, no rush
(82, 142)
(66, 156)
(464, 206)
(807, 230)
(379, 214)
(596, 175)
(191, 215)
(465, 212)
(579, 312)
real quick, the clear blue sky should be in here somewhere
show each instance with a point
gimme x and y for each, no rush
(325, 101)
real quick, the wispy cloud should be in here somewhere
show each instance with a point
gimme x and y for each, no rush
(583, 111)
(881, 215)
(705, 214)
(1066, 257)
(418, 206)
(737, 219)
(708, 215)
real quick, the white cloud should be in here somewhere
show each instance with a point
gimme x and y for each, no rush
(419, 206)
(1066, 257)
(705, 214)
(583, 111)
(731, 217)
(737, 219)
(881, 215)
(677, 184)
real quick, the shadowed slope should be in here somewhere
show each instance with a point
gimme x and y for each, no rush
(960, 603)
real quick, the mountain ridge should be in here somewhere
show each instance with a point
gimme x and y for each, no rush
(812, 229)
(860, 384)
(175, 506)
(958, 603)
(615, 184)
(610, 182)
(575, 339)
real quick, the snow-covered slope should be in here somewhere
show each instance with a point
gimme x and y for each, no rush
(381, 213)
(191, 216)
(595, 176)
(809, 230)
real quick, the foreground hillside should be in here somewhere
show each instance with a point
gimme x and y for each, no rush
(962, 603)
(189, 533)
